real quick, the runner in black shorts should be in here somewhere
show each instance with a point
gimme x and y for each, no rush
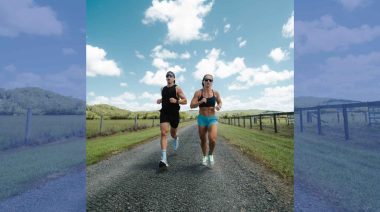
(172, 97)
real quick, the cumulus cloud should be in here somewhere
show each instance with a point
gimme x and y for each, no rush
(98, 64)
(353, 4)
(291, 45)
(184, 19)
(26, 17)
(91, 93)
(185, 55)
(325, 35)
(262, 75)
(213, 65)
(279, 98)
(227, 28)
(124, 84)
(139, 55)
(241, 42)
(350, 77)
(279, 55)
(288, 28)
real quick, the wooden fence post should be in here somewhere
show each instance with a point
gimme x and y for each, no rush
(101, 124)
(27, 125)
(275, 123)
(244, 121)
(319, 121)
(301, 124)
(238, 121)
(153, 123)
(135, 125)
(345, 121)
(250, 122)
(261, 123)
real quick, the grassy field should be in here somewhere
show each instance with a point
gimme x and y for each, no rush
(22, 167)
(43, 129)
(100, 148)
(283, 128)
(275, 151)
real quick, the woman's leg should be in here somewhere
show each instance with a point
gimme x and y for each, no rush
(202, 136)
(212, 135)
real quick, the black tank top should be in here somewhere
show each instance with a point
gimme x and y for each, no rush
(167, 93)
(210, 101)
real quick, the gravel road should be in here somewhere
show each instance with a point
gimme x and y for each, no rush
(130, 181)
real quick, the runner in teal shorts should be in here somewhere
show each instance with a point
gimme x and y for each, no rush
(208, 100)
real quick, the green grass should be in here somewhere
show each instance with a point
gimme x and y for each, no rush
(114, 126)
(24, 166)
(99, 148)
(43, 129)
(276, 152)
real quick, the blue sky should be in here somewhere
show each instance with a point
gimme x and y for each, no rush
(43, 45)
(337, 49)
(246, 45)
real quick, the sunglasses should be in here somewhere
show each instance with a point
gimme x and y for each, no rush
(169, 76)
(208, 80)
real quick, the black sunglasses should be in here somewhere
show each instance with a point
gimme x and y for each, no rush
(169, 75)
(210, 80)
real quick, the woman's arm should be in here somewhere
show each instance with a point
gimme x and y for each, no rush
(219, 101)
(194, 102)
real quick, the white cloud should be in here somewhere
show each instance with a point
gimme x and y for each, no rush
(91, 93)
(151, 96)
(272, 98)
(348, 77)
(10, 68)
(288, 28)
(68, 51)
(184, 18)
(324, 35)
(26, 17)
(353, 4)
(158, 78)
(124, 84)
(214, 66)
(279, 55)
(227, 28)
(160, 52)
(129, 101)
(241, 42)
(98, 64)
(160, 63)
(139, 55)
(185, 55)
(291, 45)
(263, 75)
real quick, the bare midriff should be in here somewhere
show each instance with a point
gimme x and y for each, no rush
(207, 111)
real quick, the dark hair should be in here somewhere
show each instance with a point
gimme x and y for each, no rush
(203, 85)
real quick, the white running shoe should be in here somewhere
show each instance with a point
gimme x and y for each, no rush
(163, 164)
(211, 160)
(204, 161)
(176, 143)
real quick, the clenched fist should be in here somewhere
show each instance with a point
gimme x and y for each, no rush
(159, 101)
(173, 100)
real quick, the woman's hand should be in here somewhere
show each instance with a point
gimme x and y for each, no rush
(204, 100)
(159, 101)
(218, 107)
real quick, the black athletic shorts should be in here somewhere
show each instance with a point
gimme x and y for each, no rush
(172, 118)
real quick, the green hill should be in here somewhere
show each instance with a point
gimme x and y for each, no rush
(41, 102)
(309, 101)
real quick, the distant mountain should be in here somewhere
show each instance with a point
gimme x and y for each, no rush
(309, 101)
(41, 102)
